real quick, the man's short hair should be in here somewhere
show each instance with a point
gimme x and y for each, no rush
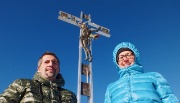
(47, 53)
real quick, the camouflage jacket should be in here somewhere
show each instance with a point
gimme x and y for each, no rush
(37, 90)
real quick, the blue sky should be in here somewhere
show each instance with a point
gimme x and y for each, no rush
(28, 28)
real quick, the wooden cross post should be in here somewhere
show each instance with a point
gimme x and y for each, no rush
(87, 30)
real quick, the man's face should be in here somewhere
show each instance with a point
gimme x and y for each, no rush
(125, 59)
(49, 67)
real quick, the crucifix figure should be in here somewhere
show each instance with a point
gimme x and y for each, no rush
(85, 37)
(87, 33)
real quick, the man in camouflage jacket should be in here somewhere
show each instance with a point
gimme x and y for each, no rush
(45, 87)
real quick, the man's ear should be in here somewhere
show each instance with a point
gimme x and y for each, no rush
(38, 69)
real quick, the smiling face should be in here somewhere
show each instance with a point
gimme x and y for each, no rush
(48, 67)
(125, 59)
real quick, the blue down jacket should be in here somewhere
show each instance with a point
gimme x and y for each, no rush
(135, 86)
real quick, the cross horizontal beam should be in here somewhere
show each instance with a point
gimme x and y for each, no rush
(75, 20)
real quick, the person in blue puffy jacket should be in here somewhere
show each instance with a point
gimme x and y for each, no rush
(135, 86)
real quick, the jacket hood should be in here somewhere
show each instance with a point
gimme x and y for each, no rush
(131, 47)
(59, 82)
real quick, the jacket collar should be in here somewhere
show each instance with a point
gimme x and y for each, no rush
(59, 82)
(131, 70)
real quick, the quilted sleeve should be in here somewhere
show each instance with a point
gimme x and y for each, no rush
(164, 90)
(13, 93)
(107, 96)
